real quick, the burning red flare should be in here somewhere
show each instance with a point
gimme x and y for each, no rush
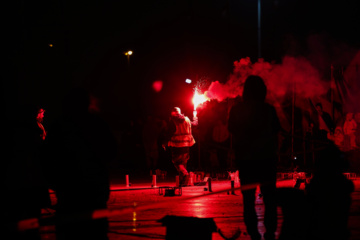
(199, 99)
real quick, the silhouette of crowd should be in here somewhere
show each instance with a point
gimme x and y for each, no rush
(71, 158)
(25, 187)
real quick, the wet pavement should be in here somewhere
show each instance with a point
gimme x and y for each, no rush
(220, 205)
(138, 208)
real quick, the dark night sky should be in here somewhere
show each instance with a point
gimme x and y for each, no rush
(171, 39)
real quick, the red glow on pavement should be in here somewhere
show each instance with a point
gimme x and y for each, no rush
(157, 85)
(200, 208)
(199, 99)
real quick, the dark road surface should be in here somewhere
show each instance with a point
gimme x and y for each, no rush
(137, 209)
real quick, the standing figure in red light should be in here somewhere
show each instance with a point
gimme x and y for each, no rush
(180, 139)
(324, 123)
(40, 119)
(349, 131)
(254, 126)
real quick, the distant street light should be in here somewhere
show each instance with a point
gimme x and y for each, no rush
(128, 54)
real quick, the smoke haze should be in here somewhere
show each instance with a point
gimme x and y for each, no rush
(279, 79)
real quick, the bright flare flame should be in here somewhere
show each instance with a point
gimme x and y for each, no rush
(199, 99)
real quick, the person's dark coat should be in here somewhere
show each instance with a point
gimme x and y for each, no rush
(254, 126)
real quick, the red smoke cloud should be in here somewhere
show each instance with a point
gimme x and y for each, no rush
(279, 79)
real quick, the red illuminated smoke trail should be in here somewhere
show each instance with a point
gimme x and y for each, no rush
(279, 79)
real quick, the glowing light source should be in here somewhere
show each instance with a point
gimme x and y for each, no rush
(50, 45)
(199, 99)
(129, 53)
(188, 81)
(157, 85)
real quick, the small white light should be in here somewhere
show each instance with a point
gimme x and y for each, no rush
(188, 81)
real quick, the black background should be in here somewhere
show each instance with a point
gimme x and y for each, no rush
(172, 40)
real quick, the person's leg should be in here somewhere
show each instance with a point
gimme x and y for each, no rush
(184, 175)
(270, 216)
(175, 158)
(250, 216)
(181, 176)
(180, 156)
(182, 169)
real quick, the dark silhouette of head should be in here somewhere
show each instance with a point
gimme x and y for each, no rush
(254, 89)
(319, 107)
(330, 159)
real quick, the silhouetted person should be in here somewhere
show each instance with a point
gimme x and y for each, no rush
(324, 123)
(80, 146)
(25, 189)
(40, 119)
(338, 137)
(329, 196)
(255, 127)
(349, 128)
